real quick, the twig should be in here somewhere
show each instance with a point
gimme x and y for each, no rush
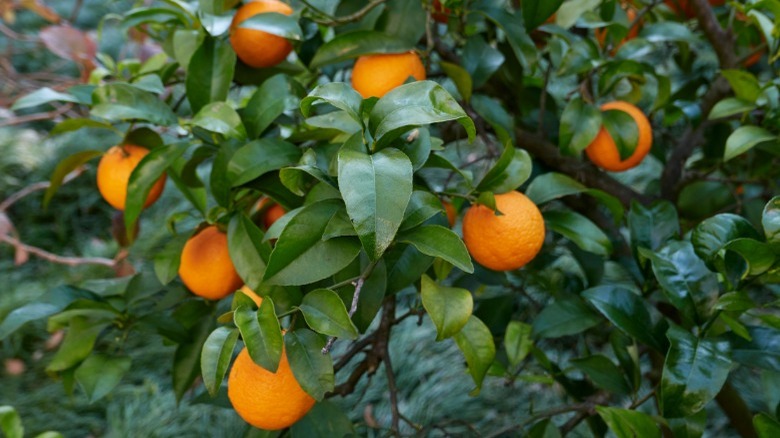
(37, 116)
(54, 258)
(335, 21)
(32, 188)
(383, 347)
(355, 297)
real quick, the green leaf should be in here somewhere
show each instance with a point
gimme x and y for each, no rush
(215, 357)
(759, 256)
(744, 84)
(301, 256)
(338, 94)
(78, 343)
(460, 77)
(516, 34)
(411, 105)
(517, 342)
(493, 111)
(745, 138)
(441, 242)
(64, 167)
(376, 189)
(651, 227)
(185, 43)
(210, 72)
(259, 157)
(625, 423)
(770, 220)
(762, 351)
(476, 343)
(168, 259)
(423, 205)
(28, 313)
(221, 118)
(552, 185)
(350, 45)
(312, 369)
(248, 252)
(324, 420)
(119, 101)
(766, 426)
(712, 234)
(512, 169)
(405, 265)
(603, 373)
(275, 95)
(626, 310)
(694, 372)
(730, 106)
(149, 170)
(623, 129)
(261, 333)
(449, 307)
(536, 12)
(10, 422)
(579, 230)
(186, 359)
(668, 31)
(70, 125)
(285, 26)
(480, 59)
(580, 123)
(325, 313)
(42, 96)
(544, 429)
(403, 19)
(734, 302)
(564, 317)
(99, 374)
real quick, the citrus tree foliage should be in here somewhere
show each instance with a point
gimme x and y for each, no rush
(653, 287)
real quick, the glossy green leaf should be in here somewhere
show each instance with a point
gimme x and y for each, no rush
(28, 313)
(40, 97)
(517, 342)
(248, 252)
(580, 123)
(415, 104)
(712, 234)
(422, 206)
(221, 118)
(325, 313)
(536, 12)
(403, 19)
(553, 185)
(516, 33)
(119, 101)
(78, 343)
(564, 317)
(694, 372)
(272, 98)
(99, 374)
(350, 45)
(480, 59)
(185, 43)
(623, 129)
(324, 420)
(301, 256)
(441, 242)
(64, 167)
(70, 125)
(579, 230)
(730, 106)
(10, 422)
(512, 169)
(274, 23)
(476, 343)
(261, 333)
(460, 77)
(339, 94)
(259, 157)
(626, 310)
(449, 307)
(168, 259)
(766, 426)
(215, 357)
(759, 256)
(210, 72)
(770, 220)
(745, 138)
(405, 265)
(762, 351)
(603, 372)
(744, 84)
(652, 226)
(312, 369)
(625, 423)
(376, 189)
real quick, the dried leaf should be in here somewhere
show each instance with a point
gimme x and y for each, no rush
(41, 9)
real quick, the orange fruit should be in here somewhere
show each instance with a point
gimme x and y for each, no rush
(506, 242)
(440, 13)
(603, 152)
(375, 75)
(271, 213)
(206, 268)
(452, 214)
(601, 34)
(266, 400)
(257, 48)
(684, 8)
(252, 294)
(749, 37)
(113, 175)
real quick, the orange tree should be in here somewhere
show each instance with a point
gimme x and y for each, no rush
(637, 287)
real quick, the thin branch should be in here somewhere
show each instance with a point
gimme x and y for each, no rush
(36, 117)
(335, 21)
(54, 258)
(383, 347)
(32, 188)
(355, 297)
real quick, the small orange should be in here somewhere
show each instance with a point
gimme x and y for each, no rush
(206, 268)
(506, 242)
(271, 213)
(452, 214)
(266, 400)
(603, 152)
(252, 294)
(375, 75)
(601, 34)
(113, 175)
(257, 48)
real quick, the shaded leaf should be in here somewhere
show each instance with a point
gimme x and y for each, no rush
(449, 307)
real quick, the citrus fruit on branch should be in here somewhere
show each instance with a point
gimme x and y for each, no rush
(375, 75)
(603, 151)
(206, 268)
(255, 47)
(113, 175)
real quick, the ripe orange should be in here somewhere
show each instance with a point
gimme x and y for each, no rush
(270, 210)
(252, 294)
(684, 8)
(255, 47)
(206, 268)
(601, 34)
(113, 175)
(375, 75)
(452, 214)
(266, 400)
(603, 152)
(506, 242)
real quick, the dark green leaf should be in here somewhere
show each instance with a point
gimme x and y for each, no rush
(261, 333)
(579, 230)
(580, 123)
(325, 420)
(624, 131)
(694, 372)
(78, 343)
(215, 357)
(564, 317)
(449, 307)
(536, 12)
(210, 72)
(403, 19)
(338, 94)
(441, 242)
(186, 359)
(652, 226)
(99, 374)
(603, 373)
(460, 77)
(70, 125)
(517, 342)
(221, 118)
(275, 95)
(248, 252)
(510, 171)
(376, 189)
(405, 264)
(168, 259)
(759, 256)
(260, 157)
(626, 310)
(40, 97)
(552, 185)
(423, 205)
(476, 343)
(312, 369)
(119, 101)
(712, 234)
(28, 313)
(763, 350)
(626, 423)
(745, 138)
(480, 59)
(325, 313)
(274, 23)
(350, 45)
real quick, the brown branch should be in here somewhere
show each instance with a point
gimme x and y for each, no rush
(355, 297)
(32, 188)
(740, 417)
(37, 116)
(54, 258)
(722, 40)
(335, 21)
(383, 347)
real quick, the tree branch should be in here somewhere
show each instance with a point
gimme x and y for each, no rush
(335, 21)
(54, 258)
(355, 297)
(32, 188)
